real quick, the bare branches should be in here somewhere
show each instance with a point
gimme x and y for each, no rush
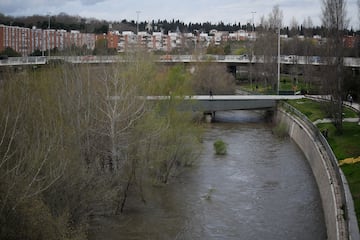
(358, 4)
(334, 15)
(335, 21)
(67, 146)
(275, 18)
(266, 47)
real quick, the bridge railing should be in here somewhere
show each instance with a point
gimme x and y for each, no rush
(284, 59)
(12, 61)
(241, 59)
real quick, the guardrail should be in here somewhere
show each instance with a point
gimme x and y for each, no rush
(13, 61)
(240, 59)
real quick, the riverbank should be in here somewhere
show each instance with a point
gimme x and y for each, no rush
(328, 175)
(345, 145)
(327, 181)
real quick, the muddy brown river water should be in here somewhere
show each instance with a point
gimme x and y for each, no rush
(262, 189)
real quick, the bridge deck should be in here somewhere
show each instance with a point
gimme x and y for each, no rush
(227, 59)
(245, 97)
(206, 103)
(231, 97)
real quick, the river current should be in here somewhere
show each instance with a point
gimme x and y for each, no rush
(262, 189)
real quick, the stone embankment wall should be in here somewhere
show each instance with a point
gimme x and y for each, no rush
(324, 168)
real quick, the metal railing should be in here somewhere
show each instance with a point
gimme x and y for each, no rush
(240, 59)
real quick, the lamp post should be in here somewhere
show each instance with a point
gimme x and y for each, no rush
(43, 43)
(252, 42)
(137, 22)
(278, 68)
(253, 26)
(49, 36)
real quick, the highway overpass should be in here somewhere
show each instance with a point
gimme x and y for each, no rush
(228, 59)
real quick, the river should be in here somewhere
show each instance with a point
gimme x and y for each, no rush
(262, 189)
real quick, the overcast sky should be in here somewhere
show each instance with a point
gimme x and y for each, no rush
(227, 11)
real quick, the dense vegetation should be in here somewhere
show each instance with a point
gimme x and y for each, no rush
(78, 140)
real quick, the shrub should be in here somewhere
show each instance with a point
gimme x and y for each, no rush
(280, 130)
(220, 147)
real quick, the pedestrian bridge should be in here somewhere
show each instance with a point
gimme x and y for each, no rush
(211, 104)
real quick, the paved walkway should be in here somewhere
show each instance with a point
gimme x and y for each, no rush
(328, 120)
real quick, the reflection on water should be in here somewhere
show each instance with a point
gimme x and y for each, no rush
(262, 189)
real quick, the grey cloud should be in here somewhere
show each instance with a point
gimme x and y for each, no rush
(91, 2)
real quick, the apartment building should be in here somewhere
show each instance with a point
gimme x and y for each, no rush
(25, 40)
(17, 38)
(155, 41)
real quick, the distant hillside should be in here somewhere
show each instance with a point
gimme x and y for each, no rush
(92, 25)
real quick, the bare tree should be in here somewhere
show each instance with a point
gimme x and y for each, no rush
(308, 52)
(212, 77)
(275, 18)
(266, 46)
(294, 46)
(358, 4)
(335, 21)
(294, 27)
(120, 108)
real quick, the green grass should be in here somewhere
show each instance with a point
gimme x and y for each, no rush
(345, 145)
(286, 84)
(352, 173)
(348, 113)
(317, 110)
(311, 109)
(261, 88)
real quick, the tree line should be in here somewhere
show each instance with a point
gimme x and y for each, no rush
(78, 140)
(333, 78)
(92, 25)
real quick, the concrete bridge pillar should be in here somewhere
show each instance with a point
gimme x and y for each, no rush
(232, 69)
(209, 116)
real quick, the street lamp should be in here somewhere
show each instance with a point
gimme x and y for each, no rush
(49, 36)
(253, 28)
(137, 22)
(278, 69)
(252, 39)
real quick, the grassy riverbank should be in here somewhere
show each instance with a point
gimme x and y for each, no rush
(287, 83)
(315, 110)
(345, 145)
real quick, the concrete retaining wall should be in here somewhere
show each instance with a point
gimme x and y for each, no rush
(330, 187)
